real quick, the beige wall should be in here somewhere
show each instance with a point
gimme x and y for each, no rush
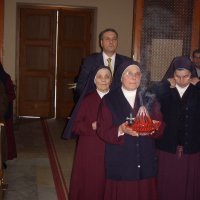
(113, 13)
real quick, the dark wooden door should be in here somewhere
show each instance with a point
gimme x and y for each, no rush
(162, 30)
(73, 44)
(37, 62)
(52, 42)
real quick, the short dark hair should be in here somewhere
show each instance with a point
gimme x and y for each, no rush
(195, 51)
(107, 30)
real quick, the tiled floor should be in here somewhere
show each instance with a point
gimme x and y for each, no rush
(30, 175)
(64, 148)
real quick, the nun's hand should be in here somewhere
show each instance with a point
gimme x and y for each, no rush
(172, 82)
(94, 125)
(124, 128)
(134, 133)
(194, 80)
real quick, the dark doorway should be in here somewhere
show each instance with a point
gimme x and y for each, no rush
(52, 43)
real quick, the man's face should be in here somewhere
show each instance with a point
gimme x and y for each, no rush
(182, 77)
(109, 42)
(196, 59)
(131, 77)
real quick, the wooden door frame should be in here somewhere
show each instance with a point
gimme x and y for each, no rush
(195, 40)
(137, 29)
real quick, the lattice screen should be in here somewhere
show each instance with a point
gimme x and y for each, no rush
(166, 34)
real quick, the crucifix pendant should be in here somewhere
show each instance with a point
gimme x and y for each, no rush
(130, 119)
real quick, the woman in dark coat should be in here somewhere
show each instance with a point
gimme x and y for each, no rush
(179, 148)
(88, 173)
(8, 117)
(3, 102)
(130, 158)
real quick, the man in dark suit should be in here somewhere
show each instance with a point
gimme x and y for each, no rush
(196, 60)
(108, 40)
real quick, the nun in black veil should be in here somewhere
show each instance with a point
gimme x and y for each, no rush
(90, 87)
(179, 147)
(88, 176)
(168, 78)
(130, 159)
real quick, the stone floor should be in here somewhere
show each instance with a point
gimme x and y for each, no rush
(30, 176)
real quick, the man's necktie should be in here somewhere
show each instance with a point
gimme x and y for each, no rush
(109, 64)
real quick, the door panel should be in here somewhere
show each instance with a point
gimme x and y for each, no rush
(162, 30)
(73, 44)
(37, 62)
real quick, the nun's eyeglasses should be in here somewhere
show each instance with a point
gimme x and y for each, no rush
(132, 75)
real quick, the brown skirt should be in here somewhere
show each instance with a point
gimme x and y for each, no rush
(179, 178)
(129, 190)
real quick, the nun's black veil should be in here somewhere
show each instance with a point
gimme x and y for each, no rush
(90, 87)
(177, 63)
